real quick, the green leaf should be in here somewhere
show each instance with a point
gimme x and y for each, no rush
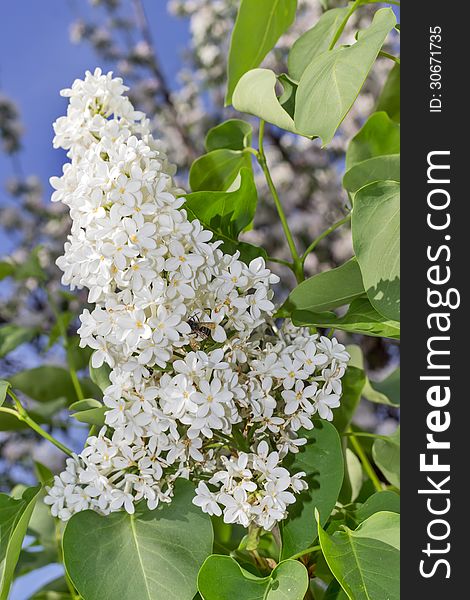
(12, 336)
(100, 375)
(354, 477)
(383, 392)
(48, 383)
(89, 411)
(259, 24)
(255, 94)
(378, 502)
(6, 269)
(222, 578)
(77, 357)
(14, 519)
(335, 592)
(322, 460)
(227, 214)
(379, 168)
(148, 555)
(389, 99)
(315, 41)
(62, 324)
(386, 455)
(328, 290)
(378, 136)
(386, 391)
(30, 268)
(4, 387)
(353, 383)
(366, 561)
(376, 241)
(217, 170)
(360, 318)
(43, 473)
(233, 134)
(332, 81)
(287, 98)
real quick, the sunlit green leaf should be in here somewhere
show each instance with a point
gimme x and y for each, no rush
(361, 317)
(227, 214)
(376, 241)
(259, 24)
(378, 136)
(365, 561)
(328, 290)
(222, 578)
(217, 170)
(330, 84)
(379, 168)
(315, 41)
(233, 134)
(255, 94)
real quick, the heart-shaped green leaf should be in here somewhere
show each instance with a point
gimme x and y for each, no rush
(255, 94)
(366, 561)
(148, 555)
(330, 84)
(222, 578)
(322, 460)
(315, 41)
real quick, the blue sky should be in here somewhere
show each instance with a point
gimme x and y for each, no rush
(37, 60)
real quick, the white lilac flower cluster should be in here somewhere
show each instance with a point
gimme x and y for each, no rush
(203, 384)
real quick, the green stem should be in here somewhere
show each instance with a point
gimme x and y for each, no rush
(63, 333)
(261, 156)
(368, 468)
(317, 240)
(76, 383)
(390, 56)
(304, 552)
(344, 22)
(21, 414)
(286, 263)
